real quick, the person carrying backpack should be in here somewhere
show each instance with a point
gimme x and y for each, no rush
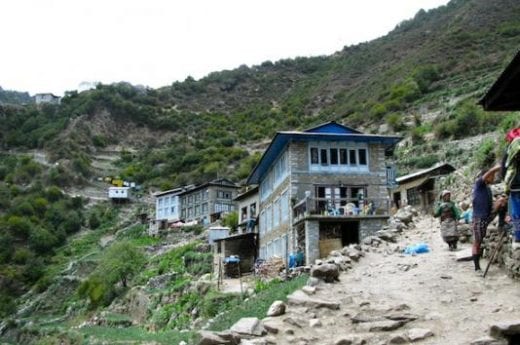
(449, 214)
(512, 182)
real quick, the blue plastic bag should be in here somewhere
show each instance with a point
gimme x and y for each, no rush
(417, 249)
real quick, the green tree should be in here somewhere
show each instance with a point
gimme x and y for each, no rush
(231, 220)
(121, 261)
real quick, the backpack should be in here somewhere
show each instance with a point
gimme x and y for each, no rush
(513, 134)
(512, 163)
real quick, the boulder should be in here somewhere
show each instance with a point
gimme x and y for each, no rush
(488, 341)
(404, 215)
(349, 339)
(271, 325)
(160, 282)
(382, 326)
(218, 338)
(372, 241)
(327, 272)
(249, 326)
(276, 309)
(387, 235)
(505, 329)
(300, 298)
(315, 323)
(313, 282)
(309, 290)
(416, 334)
(398, 339)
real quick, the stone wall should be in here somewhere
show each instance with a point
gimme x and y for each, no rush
(312, 241)
(369, 227)
(506, 257)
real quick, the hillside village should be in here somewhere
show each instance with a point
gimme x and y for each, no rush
(285, 203)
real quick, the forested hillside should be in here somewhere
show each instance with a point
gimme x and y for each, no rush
(440, 62)
(14, 97)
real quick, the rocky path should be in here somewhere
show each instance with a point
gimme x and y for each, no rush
(391, 298)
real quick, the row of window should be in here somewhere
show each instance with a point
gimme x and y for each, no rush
(338, 156)
(224, 194)
(195, 211)
(166, 212)
(275, 176)
(277, 247)
(244, 214)
(197, 197)
(223, 207)
(167, 201)
(275, 214)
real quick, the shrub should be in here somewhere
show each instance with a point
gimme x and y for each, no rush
(19, 227)
(485, 155)
(395, 121)
(196, 229)
(41, 240)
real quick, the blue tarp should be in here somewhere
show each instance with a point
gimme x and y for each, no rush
(231, 259)
(417, 249)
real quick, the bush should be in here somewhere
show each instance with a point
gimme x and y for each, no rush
(97, 290)
(41, 240)
(196, 229)
(485, 155)
(395, 121)
(19, 227)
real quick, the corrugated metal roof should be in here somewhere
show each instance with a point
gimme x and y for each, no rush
(325, 132)
(420, 173)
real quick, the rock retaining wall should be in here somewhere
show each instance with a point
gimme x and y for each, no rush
(506, 257)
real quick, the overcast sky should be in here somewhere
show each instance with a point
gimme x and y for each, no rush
(53, 45)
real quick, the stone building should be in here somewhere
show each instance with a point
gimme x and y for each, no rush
(420, 189)
(321, 189)
(207, 202)
(247, 206)
(46, 98)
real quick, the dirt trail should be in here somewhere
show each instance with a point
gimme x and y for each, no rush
(447, 296)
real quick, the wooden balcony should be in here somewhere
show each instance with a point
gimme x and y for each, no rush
(340, 209)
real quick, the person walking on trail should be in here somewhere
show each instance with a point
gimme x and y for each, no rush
(482, 211)
(449, 214)
(512, 183)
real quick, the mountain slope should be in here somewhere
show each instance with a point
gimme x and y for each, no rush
(196, 130)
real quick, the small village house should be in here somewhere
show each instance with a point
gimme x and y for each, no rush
(243, 247)
(167, 206)
(207, 202)
(46, 98)
(420, 189)
(321, 189)
(119, 194)
(247, 206)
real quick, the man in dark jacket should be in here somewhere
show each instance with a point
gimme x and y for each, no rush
(482, 211)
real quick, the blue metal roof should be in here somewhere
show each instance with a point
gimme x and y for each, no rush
(332, 127)
(326, 132)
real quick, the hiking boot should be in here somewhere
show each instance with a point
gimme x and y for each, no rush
(479, 273)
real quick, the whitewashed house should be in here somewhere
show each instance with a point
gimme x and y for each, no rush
(167, 205)
(119, 193)
(46, 98)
